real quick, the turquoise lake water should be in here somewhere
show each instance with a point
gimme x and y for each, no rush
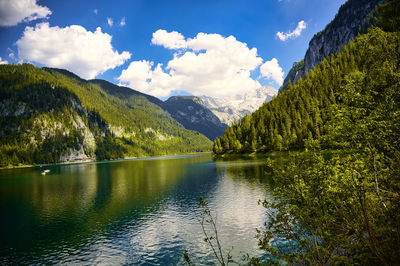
(141, 212)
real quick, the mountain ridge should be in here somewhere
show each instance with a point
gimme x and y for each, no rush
(193, 115)
(235, 107)
(351, 19)
(51, 115)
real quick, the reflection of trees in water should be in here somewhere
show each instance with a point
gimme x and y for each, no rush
(252, 171)
(199, 180)
(104, 186)
(78, 200)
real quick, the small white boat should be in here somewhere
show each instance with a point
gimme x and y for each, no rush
(45, 172)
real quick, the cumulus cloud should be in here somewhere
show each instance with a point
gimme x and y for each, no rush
(292, 34)
(138, 73)
(2, 62)
(209, 65)
(74, 48)
(272, 70)
(141, 76)
(123, 22)
(170, 40)
(110, 22)
(13, 12)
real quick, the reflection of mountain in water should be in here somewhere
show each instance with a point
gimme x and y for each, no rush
(80, 199)
(129, 212)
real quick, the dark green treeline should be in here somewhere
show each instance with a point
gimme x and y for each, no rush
(304, 110)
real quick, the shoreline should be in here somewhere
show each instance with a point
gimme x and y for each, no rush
(102, 161)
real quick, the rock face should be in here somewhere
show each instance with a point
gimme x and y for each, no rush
(351, 19)
(234, 108)
(69, 124)
(51, 115)
(294, 74)
(192, 114)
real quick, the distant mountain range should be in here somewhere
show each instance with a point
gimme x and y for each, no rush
(235, 107)
(187, 110)
(50, 115)
(192, 114)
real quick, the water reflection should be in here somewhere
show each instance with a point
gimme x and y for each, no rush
(138, 211)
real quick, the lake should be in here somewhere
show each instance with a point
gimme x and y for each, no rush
(142, 211)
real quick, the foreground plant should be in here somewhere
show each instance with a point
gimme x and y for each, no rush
(209, 227)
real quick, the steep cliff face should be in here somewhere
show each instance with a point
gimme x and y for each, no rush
(294, 74)
(352, 18)
(190, 112)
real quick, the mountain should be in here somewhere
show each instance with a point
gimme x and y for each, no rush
(235, 107)
(365, 69)
(187, 110)
(124, 93)
(353, 18)
(191, 113)
(340, 180)
(51, 115)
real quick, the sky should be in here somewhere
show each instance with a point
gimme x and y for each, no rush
(217, 48)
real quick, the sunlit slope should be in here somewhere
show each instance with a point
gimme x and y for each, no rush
(49, 115)
(304, 110)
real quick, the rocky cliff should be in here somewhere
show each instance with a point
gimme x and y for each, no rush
(191, 113)
(51, 115)
(235, 107)
(353, 17)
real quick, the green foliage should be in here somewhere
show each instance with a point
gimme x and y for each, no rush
(338, 207)
(389, 18)
(47, 114)
(303, 110)
(343, 207)
(297, 66)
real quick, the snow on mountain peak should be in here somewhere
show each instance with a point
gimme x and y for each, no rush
(235, 107)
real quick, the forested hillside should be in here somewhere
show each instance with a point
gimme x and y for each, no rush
(339, 186)
(353, 17)
(189, 113)
(49, 115)
(306, 110)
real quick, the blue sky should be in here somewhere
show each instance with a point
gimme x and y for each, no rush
(130, 54)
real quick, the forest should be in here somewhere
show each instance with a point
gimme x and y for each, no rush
(51, 115)
(339, 186)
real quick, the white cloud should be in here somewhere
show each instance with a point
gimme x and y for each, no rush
(272, 70)
(13, 12)
(123, 22)
(95, 11)
(138, 74)
(110, 22)
(2, 62)
(83, 52)
(292, 34)
(210, 65)
(170, 40)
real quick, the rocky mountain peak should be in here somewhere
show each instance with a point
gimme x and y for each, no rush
(235, 107)
(350, 20)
